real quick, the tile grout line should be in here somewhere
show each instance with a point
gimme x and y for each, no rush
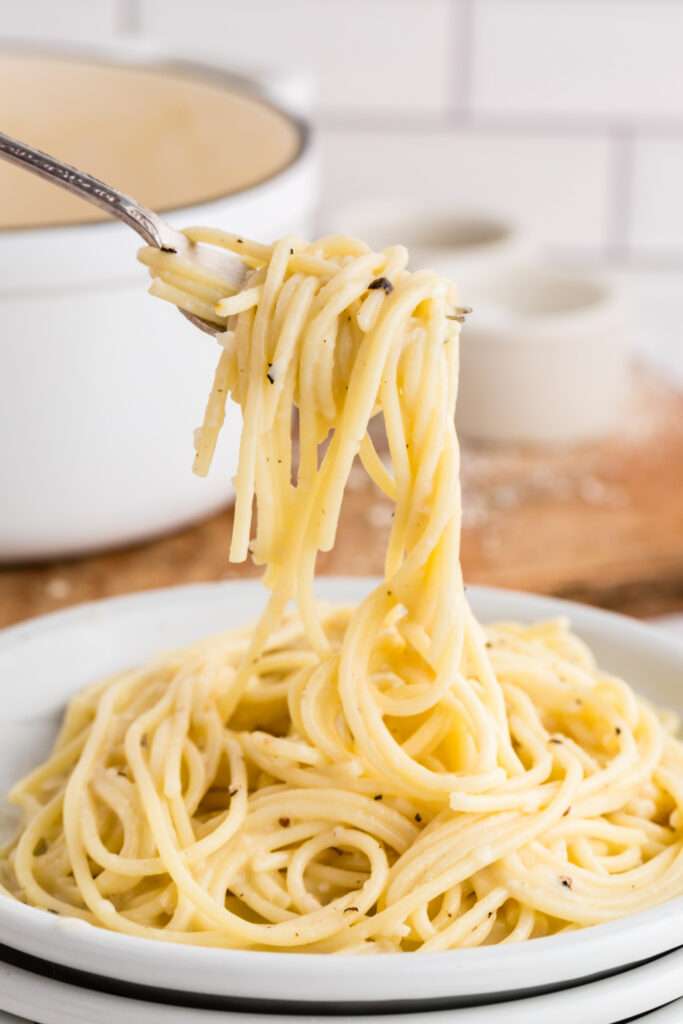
(646, 261)
(461, 52)
(128, 17)
(619, 200)
(529, 123)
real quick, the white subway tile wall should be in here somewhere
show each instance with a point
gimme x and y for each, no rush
(566, 113)
(478, 170)
(657, 198)
(367, 54)
(602, 59)
(72, 20)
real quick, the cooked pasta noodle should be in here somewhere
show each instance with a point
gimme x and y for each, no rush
(386, 777)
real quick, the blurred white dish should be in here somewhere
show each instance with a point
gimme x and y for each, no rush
(100, 388)
(459, 244)
(45, 661)
(544, 357)
(544, 352)
(46, 1000)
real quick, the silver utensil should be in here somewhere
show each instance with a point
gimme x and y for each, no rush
(149, 225)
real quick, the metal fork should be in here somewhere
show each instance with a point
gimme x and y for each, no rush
(149, 225)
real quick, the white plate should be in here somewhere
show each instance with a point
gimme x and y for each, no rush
(611, 1000)
(671, 1014)
(43, 662)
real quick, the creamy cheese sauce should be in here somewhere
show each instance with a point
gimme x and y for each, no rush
(168, 139)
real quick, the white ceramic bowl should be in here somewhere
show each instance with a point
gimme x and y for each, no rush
(102, 386)
(44, 661)
(457, 243)
(544, 356)
(48, 1000)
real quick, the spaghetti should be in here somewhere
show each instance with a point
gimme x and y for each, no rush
(386, 777)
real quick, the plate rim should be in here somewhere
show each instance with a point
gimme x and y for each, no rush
(631, 991)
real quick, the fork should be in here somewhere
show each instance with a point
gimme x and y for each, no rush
(146, 223)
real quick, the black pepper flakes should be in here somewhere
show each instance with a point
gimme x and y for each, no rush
(234, 791)
(169, 248)
(284, 822)
(566, 882)
(377, 796)
(555, 739)
(618, 731)
(351, 910)
(418, 818)
(381, 282)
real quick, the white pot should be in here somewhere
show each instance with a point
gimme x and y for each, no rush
(102, 385)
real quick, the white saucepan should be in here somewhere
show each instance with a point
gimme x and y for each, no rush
(100, 385)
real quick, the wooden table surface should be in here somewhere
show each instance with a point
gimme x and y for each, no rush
(599, 523)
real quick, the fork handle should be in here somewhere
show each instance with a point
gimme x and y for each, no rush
(147, 224)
